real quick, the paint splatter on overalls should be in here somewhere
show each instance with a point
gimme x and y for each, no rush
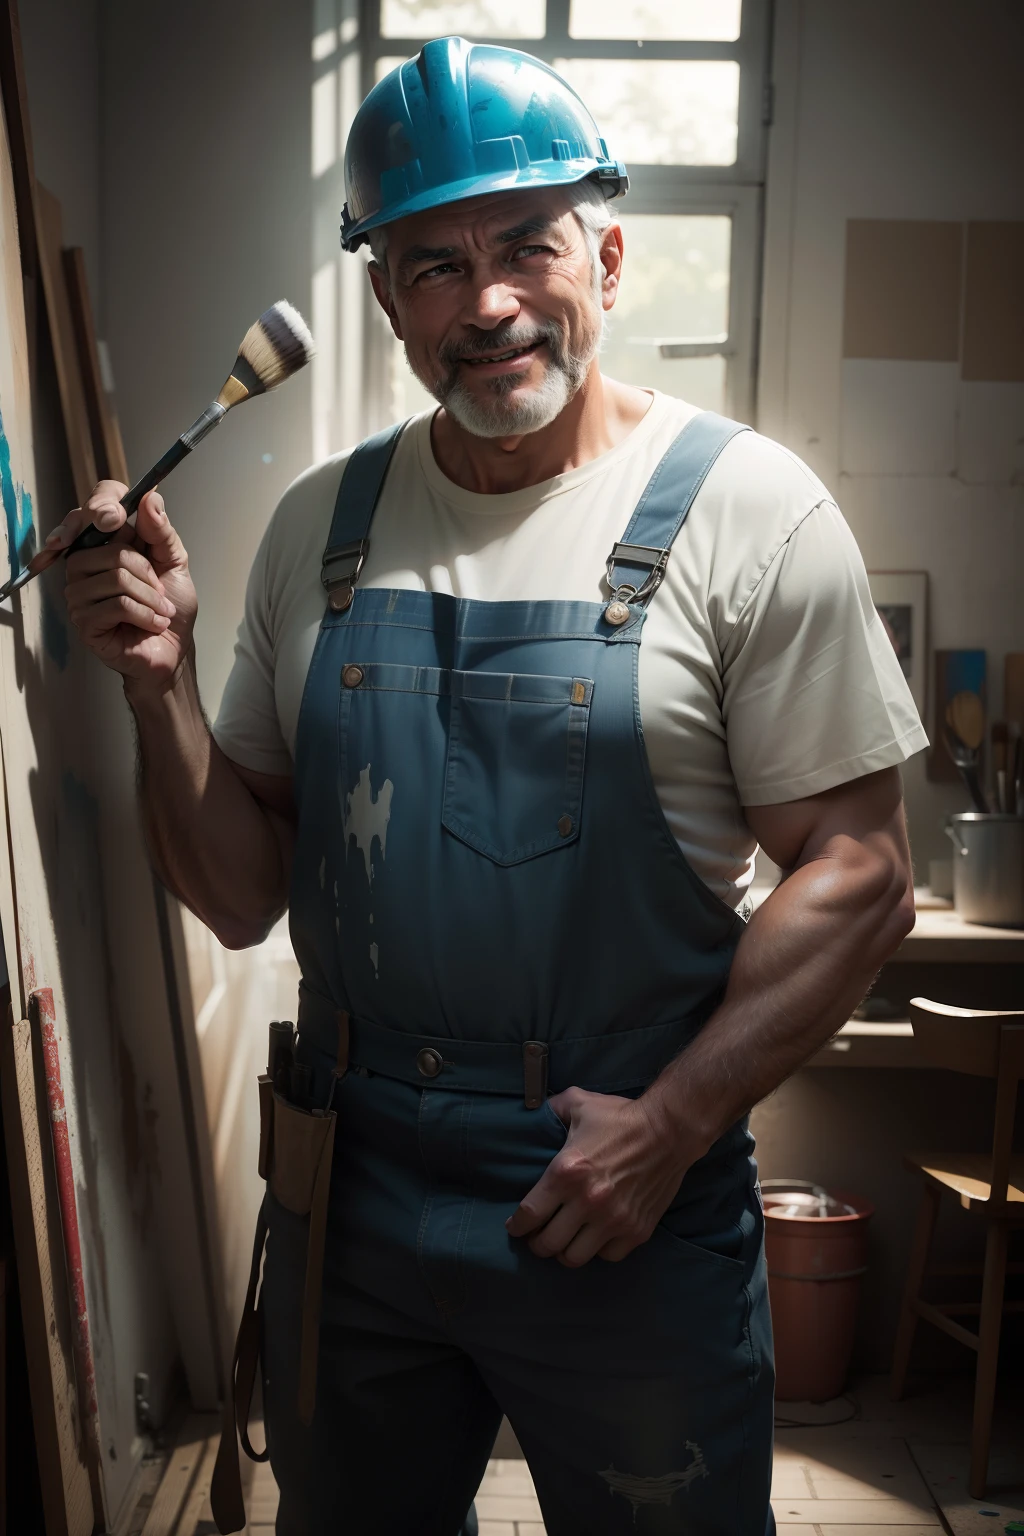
(485, 881)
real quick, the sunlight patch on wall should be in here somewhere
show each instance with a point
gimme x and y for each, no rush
(325, 123)
(324, 366)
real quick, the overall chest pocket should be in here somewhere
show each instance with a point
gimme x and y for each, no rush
(516, 751)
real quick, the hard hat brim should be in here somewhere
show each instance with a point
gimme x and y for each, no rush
(556, 173)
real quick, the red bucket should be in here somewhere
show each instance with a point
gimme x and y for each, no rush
(816, 1244)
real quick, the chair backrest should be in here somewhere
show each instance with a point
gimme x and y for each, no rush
(986, 1043)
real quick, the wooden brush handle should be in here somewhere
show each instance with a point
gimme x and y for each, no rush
(92, 537)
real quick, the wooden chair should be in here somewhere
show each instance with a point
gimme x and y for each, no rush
(985, 1044)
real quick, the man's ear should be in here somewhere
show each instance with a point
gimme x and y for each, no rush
(610, 257)
(382, 293)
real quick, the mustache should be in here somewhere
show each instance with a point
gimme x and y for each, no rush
(505, 338)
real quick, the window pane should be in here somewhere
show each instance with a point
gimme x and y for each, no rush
(675, 287)
(698, 380)
(471, 18)
(673, 20)
(384, 66)
(661, 112)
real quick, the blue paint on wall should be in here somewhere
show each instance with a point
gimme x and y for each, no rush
(17, 502)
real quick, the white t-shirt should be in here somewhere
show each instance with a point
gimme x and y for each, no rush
(765, 674)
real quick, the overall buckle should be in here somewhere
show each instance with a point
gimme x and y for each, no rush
(617, 611)
(341, 569)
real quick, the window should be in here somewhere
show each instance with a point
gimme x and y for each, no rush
(662, 111)
(678, 88)
(422, 19)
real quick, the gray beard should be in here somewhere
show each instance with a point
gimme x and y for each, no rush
(497, 412)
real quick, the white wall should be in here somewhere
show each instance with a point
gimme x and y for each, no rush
(207, 219)
(899, 111)
(60, 42)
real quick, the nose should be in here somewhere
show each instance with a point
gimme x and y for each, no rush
(489, 305)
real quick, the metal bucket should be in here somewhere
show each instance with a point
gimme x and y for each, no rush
(988, 870)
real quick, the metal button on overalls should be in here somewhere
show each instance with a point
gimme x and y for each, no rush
(429, 1062)
(459, 809)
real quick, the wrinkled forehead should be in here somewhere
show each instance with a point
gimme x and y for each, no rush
(490, 220)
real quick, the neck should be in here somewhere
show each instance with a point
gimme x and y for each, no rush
(600, 415)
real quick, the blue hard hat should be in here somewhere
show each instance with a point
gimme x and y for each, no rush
(462, 119)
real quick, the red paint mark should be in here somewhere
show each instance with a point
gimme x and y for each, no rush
(85, 1369)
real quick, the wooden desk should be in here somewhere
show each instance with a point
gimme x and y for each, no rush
(928, 963)
(939, 935)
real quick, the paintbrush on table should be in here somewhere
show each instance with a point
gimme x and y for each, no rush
(272, 349)
(1014, 769)
(965, 732)
(1000, 743)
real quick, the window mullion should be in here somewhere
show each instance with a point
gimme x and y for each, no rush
(370, 43)
(557, 34)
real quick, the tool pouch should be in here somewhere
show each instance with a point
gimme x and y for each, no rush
(296, 1148)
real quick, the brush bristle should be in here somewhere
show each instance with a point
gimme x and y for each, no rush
(277, 345)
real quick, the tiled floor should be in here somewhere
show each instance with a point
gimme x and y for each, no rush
(823, 1485)
(887, 1472)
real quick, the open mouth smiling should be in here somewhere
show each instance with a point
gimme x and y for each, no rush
(519, 356)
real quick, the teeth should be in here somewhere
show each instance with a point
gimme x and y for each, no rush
(503, 357)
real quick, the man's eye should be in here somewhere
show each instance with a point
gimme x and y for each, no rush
(438, 271)
(529, 250)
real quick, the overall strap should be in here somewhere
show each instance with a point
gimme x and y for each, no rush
(348, 543)
(636, 565)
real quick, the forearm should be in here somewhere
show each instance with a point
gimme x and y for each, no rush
(223, 853)
(807, 957)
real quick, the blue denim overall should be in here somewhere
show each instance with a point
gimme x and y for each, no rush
(485, 882)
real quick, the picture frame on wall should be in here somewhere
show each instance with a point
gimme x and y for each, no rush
(901, 602)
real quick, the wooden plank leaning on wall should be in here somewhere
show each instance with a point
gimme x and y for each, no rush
(68, 1490)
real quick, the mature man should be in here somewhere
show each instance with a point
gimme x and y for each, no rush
(543, 725)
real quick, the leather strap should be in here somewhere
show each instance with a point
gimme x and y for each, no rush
(310, 1342)
(226, 1499)
(535, 1073)
(266, 1154)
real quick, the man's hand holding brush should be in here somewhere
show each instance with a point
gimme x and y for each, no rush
(132, 600)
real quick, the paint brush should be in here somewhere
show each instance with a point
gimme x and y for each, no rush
(272, 349)
(1000, 742)
(1014, 769)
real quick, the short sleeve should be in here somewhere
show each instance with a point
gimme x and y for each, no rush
(813, 693)
(248, 729)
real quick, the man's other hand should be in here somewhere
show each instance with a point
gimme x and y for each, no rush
(608, 1188)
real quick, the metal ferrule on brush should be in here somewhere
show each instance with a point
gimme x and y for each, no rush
(211, 417)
